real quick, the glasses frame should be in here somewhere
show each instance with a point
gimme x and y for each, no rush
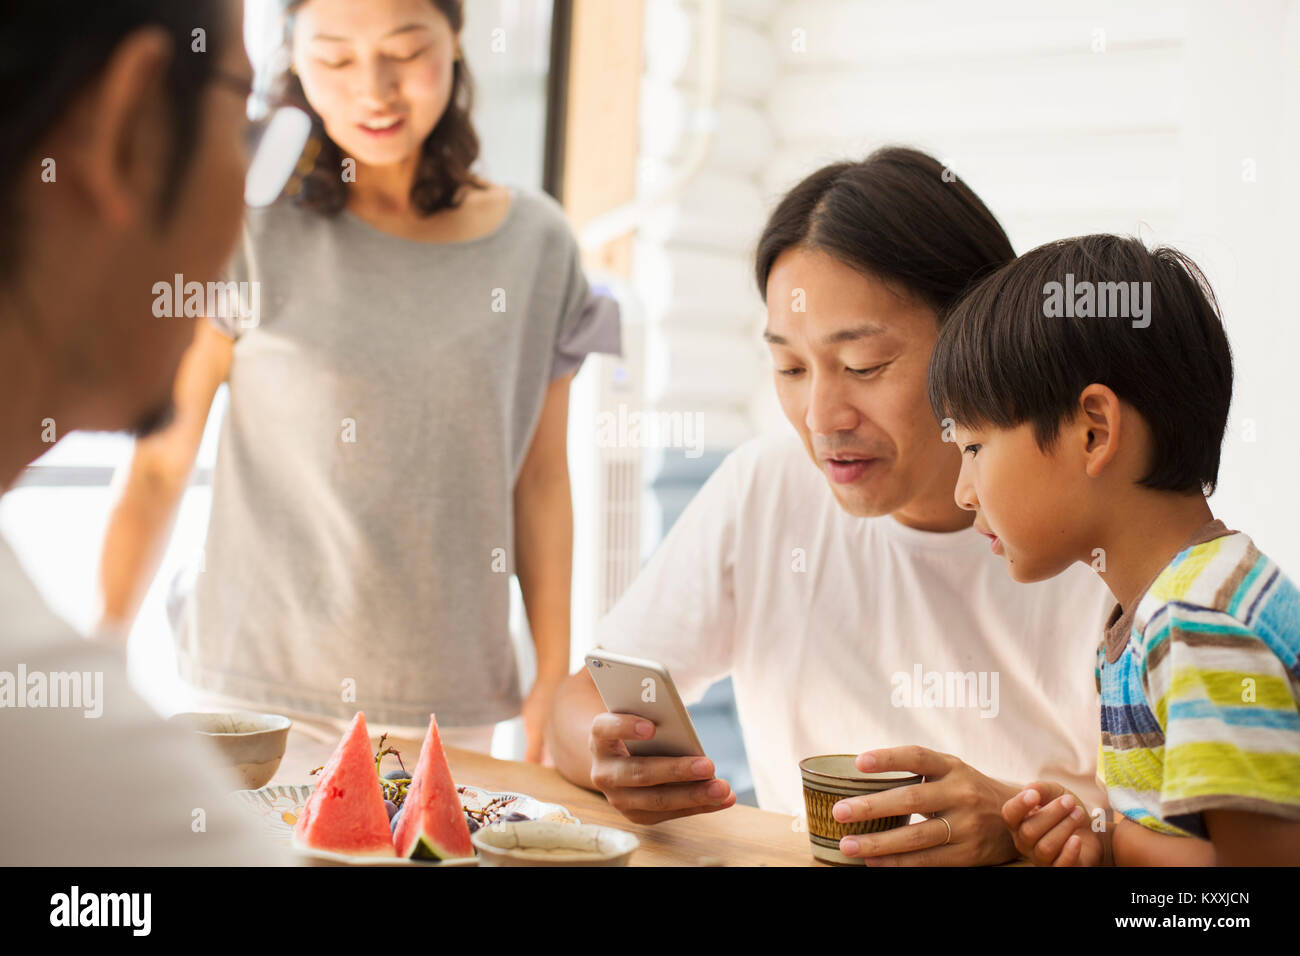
(260, 115)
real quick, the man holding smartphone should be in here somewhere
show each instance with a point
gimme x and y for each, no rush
(856, 610)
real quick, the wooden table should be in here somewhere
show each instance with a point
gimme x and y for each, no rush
(737, 836)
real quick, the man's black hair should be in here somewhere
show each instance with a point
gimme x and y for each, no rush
(897, 215)
(1024, 343)
(51, 49)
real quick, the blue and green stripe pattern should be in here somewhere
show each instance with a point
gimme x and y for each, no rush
(1201, 711)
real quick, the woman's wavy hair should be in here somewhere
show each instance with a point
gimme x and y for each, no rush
(446, 157)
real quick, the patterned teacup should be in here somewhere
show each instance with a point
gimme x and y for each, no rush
(828, 779)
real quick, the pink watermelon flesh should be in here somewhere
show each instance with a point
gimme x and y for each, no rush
(433, 823)
(345, 813)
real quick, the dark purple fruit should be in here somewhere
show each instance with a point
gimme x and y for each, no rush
(473, 824)
(515, 817)
(396, 819)
(397, 775)
(391, 808)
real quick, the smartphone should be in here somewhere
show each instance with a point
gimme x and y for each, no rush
(630, 685)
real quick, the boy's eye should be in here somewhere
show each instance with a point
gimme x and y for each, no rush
(333, 64)
(866, 371)
(789, 372)
(973, 449)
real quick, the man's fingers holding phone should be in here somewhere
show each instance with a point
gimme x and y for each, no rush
(672, 796)
(608, 731)
(646, 756)
(666, 801)
(651, 789)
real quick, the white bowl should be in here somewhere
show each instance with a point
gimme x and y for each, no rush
(543, 843)
(251, 743)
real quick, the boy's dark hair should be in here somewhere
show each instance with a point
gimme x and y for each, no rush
(1016, 349)
(446, 156)
(897, 215)
(51, 49)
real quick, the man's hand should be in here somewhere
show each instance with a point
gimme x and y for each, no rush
(650, 789)
(968, 801)
(1051, 827)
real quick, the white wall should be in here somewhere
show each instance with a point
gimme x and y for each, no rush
(1175, 120)
(692, 264)
(1241, 139)
(1065, 118)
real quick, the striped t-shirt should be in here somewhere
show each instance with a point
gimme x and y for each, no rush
(1200, 690)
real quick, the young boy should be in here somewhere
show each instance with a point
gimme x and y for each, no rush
(1087, 385)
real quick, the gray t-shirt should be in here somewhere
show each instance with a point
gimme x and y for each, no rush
(361, 541)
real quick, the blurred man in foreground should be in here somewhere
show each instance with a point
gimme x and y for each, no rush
(122, 134)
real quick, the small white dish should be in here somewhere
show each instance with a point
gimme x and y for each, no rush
(253, 744)
(543, 843)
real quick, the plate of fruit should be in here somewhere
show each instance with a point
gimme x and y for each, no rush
(358, 813)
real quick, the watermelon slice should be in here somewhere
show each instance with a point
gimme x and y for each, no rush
(345, 813)
(433, 823)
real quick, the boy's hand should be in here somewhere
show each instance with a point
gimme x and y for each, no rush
(1050, 827)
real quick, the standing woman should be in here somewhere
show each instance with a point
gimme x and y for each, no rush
(395, 443)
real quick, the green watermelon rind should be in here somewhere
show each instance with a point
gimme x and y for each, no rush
(426, 850)
(417, 809)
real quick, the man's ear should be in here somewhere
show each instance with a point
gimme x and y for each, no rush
(1099, 421)
(121, 129)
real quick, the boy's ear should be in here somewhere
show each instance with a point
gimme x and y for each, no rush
(1099, 419)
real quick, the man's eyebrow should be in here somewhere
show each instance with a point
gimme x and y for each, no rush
(406, 29)
(835, 338)
(866, 330)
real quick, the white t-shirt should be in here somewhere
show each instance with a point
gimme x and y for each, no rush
(117, 789)
(824, 620)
